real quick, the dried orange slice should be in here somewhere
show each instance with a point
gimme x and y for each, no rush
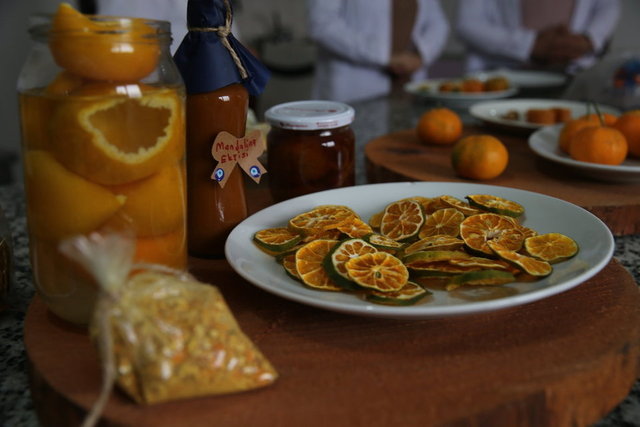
(461, 205)
(480, 262)
(87, 135)
(376, 220)
(334, 262)
(433, 256)
(276, 240)
(551, 247)
(355, 227)
(101, 48)
(439, 242)
(321, 218)
(379, 270)
(289, 265)
(443, 221)
(383, 243)
(495, 204)
(481, 278)
(309, 266)
(402, 220)
(410, 294)
(477, 230)
(333, 234)
(529, 265)
(62, 203)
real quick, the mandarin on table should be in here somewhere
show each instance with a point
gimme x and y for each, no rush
(599, 144)
(479, 157)
(629, 125)
(439, 126)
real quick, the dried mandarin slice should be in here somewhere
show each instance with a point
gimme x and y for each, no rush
(383, 243)
(321, 218)
(481, 278)
(437, 269)
(402, 220)
(276, 240)
(439, 242)
(477, 230)
(379, 270)
(410, 294)
(495, 204)
(551, 247)
(461, 205)
(355, 228)
(376, 220)
(480, 262)
(529, 265)
(309, 266)
(433, 256)
(334, 262)
(443, 221)
(289, 265)
(333, 234)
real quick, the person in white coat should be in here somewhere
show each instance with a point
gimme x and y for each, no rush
(366, 47)
(561, 35)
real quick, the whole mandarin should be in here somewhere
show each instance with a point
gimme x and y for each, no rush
(439, 126)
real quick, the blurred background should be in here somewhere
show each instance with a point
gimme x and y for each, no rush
(274, 29)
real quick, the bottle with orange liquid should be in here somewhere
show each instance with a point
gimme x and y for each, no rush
(219, 75)
(102, 108)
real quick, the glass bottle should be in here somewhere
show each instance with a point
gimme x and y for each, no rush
(102, 110)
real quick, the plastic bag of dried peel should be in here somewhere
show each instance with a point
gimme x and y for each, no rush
(161, 334)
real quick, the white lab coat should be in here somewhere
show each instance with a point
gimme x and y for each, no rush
(354, 45)
(495, 38)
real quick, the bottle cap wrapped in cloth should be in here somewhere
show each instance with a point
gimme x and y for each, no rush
(161, 334)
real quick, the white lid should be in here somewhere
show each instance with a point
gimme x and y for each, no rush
(310, 115)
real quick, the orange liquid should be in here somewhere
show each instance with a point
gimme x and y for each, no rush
(213, 211)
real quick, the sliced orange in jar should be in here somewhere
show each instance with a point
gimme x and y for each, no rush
(87, 135)
(529, 265)
(495, 204)
(477, 230)
(461, 205)
(334, 262)
(402, 220)
(168, 249)
(309, 259)
(102, 48)
(321, 218)
(276, 240)
(443, 221)
(378, 270)
(551, 247)
(438, 242)
(481, 278)
(409, 294)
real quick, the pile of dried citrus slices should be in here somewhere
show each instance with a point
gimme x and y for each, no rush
(391, 258)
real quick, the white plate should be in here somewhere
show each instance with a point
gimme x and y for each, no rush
(544, 142)
(527, 79)
(428, 89)
(492, 112)
(543, 213)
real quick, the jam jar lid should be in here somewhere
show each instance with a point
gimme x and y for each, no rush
(310, 115)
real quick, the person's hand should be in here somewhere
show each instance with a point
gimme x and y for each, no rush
(568, 47)
(404, 64)
(541, 51)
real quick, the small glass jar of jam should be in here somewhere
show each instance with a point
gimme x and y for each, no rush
(310, 148)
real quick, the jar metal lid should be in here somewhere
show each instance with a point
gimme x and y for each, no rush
(310, 115)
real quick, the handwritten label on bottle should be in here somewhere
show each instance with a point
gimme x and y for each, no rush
(229, 151)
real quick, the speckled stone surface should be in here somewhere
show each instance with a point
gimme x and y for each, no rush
(373, 118)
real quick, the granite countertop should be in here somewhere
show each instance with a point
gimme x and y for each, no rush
(373, 118)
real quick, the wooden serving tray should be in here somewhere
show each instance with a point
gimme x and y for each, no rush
(563, 361)
(400, 156)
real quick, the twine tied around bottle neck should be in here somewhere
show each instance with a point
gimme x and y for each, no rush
(223, 33)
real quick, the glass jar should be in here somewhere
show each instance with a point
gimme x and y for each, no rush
(102, 110)
(310, 148)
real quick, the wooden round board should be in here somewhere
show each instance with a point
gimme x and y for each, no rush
(400, 156)
(563, 361)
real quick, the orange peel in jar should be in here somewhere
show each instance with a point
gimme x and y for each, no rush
(61, 203)
(155, 205)
(103, 49)
(168, 249)
(119, 139)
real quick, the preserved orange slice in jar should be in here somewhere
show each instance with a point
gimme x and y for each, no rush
(87, 135)
(52, 189)
(100, 50)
